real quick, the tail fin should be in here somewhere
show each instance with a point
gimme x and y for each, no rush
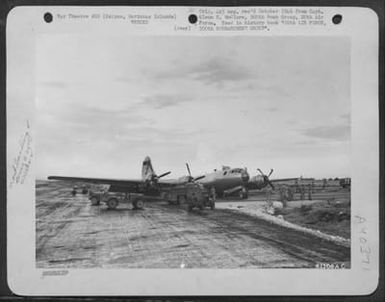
(147, 170)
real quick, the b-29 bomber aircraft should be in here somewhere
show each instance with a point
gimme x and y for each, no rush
(227, 181)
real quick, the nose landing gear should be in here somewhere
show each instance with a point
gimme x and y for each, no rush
(244, 194)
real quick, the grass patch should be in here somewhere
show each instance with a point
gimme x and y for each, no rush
(333, 218)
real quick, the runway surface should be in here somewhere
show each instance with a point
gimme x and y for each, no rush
(71, 233)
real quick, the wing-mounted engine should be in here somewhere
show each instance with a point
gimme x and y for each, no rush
(189, 178)
(260, 181)
(149, 177)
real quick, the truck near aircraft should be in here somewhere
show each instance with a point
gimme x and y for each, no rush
(193, 194)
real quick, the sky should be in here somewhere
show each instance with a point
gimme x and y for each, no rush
(103, 103)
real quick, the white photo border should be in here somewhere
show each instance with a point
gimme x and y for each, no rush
(360, 24)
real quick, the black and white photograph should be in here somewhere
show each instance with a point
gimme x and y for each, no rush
(192, 152)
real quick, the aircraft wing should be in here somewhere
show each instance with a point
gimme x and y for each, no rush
(168, 183)
(127, 183)
(283, 179)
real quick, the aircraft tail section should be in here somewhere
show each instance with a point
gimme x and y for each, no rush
(147, 170)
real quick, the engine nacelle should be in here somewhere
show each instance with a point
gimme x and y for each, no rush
(257, 182)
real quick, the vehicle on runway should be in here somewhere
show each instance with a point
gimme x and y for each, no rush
(113, 199)
(193, 194)
(199, 197)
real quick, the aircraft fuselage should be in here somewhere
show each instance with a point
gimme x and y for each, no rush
(225, 179)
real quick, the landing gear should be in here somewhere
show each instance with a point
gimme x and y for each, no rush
(164, 196)
(244, 194)
(290, 194)
(181, 199)
(212, 198)
(112, 203)
(74, 191)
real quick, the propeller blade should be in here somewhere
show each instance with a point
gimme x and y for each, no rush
(199, 177)
(271, 185)
(259, 170)
(164, 174)
(188, 169)
(271, 171)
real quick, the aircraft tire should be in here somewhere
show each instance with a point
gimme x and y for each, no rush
(181, 199)
(164, 196)
(112, 203)
(243, 194)
(94, 201)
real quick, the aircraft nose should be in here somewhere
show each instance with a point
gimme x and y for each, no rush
(245, 176)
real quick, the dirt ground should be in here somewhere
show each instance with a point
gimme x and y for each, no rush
(328, 211)
(331, 218)
(70, 233)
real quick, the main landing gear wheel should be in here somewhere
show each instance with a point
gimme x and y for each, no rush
(243, 194)
(181, 199)
(164, 196)
(112, 203)
(138, 204)
(94, 201)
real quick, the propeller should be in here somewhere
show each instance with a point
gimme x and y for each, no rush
(188, 170)
(154, 179)
(266, 178)
(162, 175)
(192, 178)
